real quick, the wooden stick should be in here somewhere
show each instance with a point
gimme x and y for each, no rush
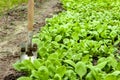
(30, 14)
(30, 25)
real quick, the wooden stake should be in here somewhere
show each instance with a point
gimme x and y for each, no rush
(30, 14)
(30, 25)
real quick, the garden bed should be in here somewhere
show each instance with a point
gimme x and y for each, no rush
(80, 43)
(13, 32)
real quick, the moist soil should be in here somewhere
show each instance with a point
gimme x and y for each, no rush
(13, 32)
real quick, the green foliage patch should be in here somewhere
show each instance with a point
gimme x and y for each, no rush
(81, 43)
(8, 4)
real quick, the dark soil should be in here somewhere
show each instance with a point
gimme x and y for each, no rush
(13, 32)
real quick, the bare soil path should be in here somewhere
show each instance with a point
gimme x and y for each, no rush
(13, 31)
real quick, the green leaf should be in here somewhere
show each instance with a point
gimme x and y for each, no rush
(44, 73)
(96, 73)
(35, 74)
(110, 77)
(71, 74)
(55, 44)
(52, 70)
(112, 61)
(70, 62)
(41, 74)
(19, 66)
(57, 77)
(44, 70)
(28, 64)
(58, 38)
(36, 64)
(80, 69)
(65, 41)
(113, 34)
(53, 56)
(61, 70)
(101, 59)
(75, 36)
(85, 58)
(101, 65)
(24, 78)
(89, 76)
(56, 62)
(77, 56)
(116, 73)
(118, 66)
